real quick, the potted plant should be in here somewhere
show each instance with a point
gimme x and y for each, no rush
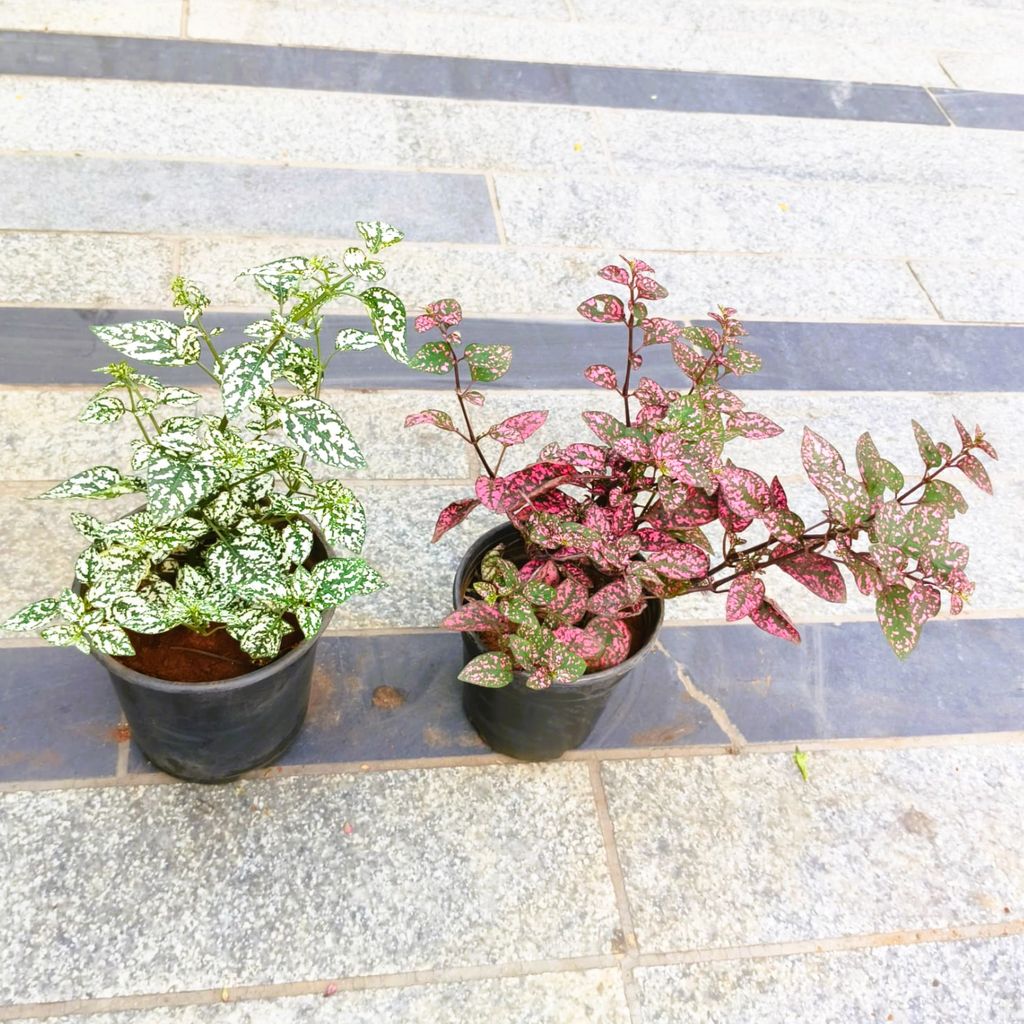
(206, 602)
(558, 604)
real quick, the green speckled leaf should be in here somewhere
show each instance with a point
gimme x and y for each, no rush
(245, 376)
(378, 235)
(32, 616)
(387, 313)
(321, 433)
(175, 485)
(338, 579)
(103, 408)
(98, 482)
(152, 341)
(897, 620)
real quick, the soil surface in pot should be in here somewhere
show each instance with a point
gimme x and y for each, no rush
(181, 656)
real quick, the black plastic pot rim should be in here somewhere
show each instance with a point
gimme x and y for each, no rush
(486, 542)
(220, 685)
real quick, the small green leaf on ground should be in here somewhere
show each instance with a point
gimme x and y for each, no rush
(800, 760)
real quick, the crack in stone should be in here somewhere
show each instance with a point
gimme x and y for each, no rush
(721, 718)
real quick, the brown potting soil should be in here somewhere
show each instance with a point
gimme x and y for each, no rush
(182, 656)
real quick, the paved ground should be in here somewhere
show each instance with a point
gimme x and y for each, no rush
(846, 174)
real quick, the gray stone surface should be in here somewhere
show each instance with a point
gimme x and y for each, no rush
(159, 120)
(993, 72)
(973, 289)
(983, 109)
(799, 218)
(932, 983)
(86, 270)
(734, 148)
(43, 440)
(172, 888)
(65, 193)
(508, 281)
(152, 18)
(731, 851)
(594, 997)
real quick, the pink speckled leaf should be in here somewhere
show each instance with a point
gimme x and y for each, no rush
(648, 288)
(777, 494)
(491, 492)
(681, 461)
(617, 595)
(611, 638)
(613, 273)
(745, 595)
(517, 429)
(477, 617)
(684, 506)
(607, 427)
(930, 454)
(473, 397)
(744, 491)
(570, 602)
(452, 515)
(680, 562)
(731, 521)
(686, 359)
(818, 574)
(972, 468)
(435, 417)
(493, 670)
(603, 376)
(896, 618)
(753, 425)
(636, 449)
(783, 524)
(772, 619)
(602, 309)
(640, 267)
(848, 498)
(650, 392)
(659, 331)
(445, 311)
(925, 602)
(587, 458)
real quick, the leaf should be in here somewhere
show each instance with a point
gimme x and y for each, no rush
(340, 513)
(338, 579)
(177, 396)
(477, 617)
(179, 435)
(349, 339)
(246, 374)
(683, 462)
(109, 638)
(557, 664)
(175, 484)
(896, 618)
(378, 235)
(744, 491)
(297, 540)
(98, 482)
(492, 670)
(783, 524)
(608, 642)
(152, 341)
(680, 562)
(279, 277)
(32, 616)
(363, 269)
(925, 602)
(387, 314)
(603, 376)
(259, 632)
(818, 574)
(848, 498)
(615, 596)
(321, 433)
(753, 425)
(972, 468)
(517, 429)
(772, 619)
(569, 603)
(742, 362)
(602, 309)
(488, 362)
(433, 357)
(946, 496)
(800, 760)
(659, 331)
(452, 515)
(103, 409)
(877, 473)
(618, 275)
(930, 453)
(298, 365)
(745, 595)
(143, 613)
(608, 428)
(435, 417)
(648, 288)
(442, 313)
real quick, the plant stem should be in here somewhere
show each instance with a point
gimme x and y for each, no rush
(629, 337)
(472, 437)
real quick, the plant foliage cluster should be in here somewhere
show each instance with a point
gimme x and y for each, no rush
(223, 537)
(653, 507)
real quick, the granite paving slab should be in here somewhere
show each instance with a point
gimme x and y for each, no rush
(1004, 111)
(932, 983)
(746, 852)
(59, 717)
(301, 878)
(163, 196)
(44, 345)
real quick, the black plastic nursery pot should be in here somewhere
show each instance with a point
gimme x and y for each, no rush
(539, 725)
(213, 732)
